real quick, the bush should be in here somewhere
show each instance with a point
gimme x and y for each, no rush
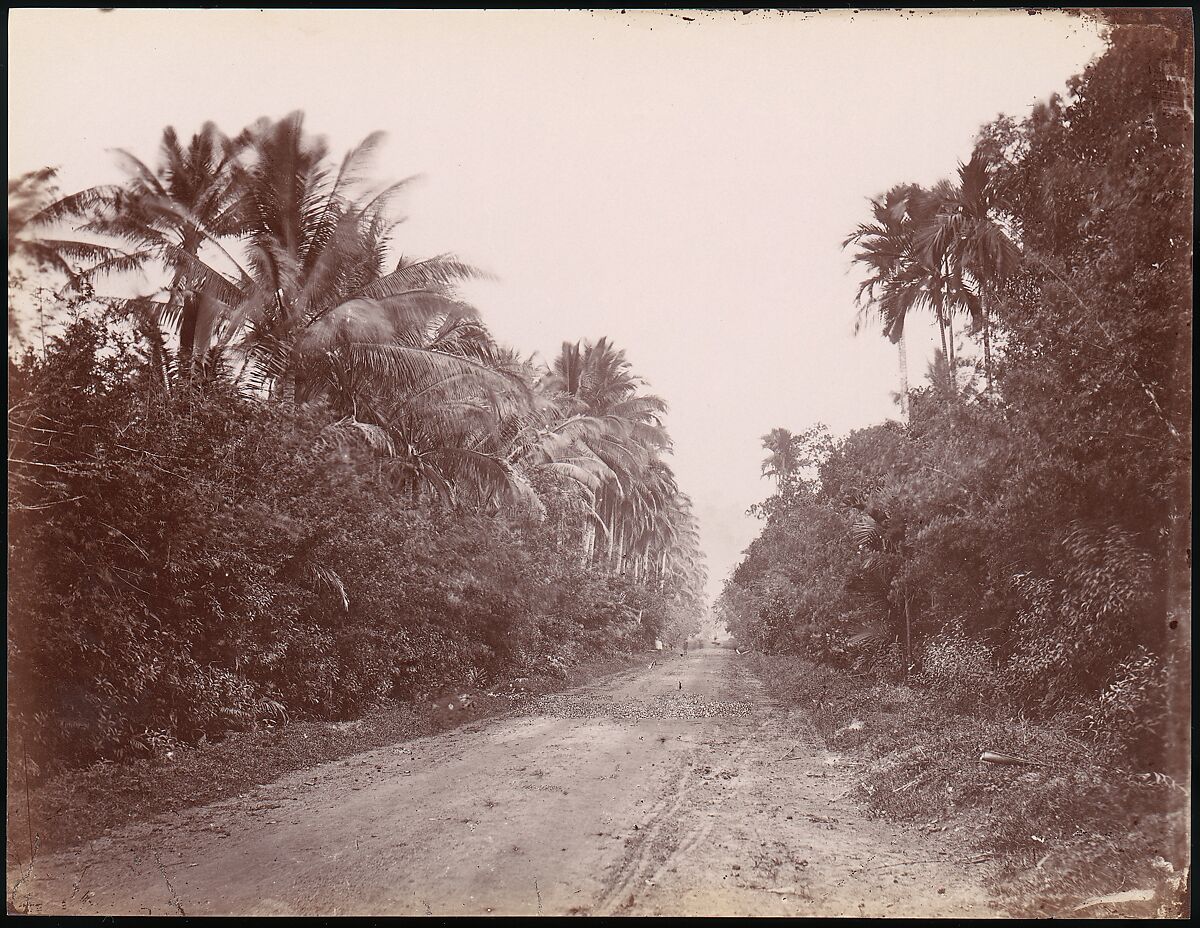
(186, 564)
(957, 667)
(1131, 712)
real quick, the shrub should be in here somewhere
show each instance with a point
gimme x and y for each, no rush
(957, 667)
(1131, 712)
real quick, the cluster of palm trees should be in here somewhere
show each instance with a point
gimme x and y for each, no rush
(939, 249)
(271, 270)
(641, 524)
(942, 250)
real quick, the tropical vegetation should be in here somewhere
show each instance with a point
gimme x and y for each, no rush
(271, 469)
(1019, 537)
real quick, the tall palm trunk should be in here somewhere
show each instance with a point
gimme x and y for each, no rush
(189, 310)
(942, 332)
(189, 316)
(948, 332)
(589, 540)
(903, 350)
(987, 341)
(952, 360)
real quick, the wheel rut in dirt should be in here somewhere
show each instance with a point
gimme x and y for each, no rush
(670, 790)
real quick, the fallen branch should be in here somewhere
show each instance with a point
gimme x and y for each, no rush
(903, 863)
(900, 789)
(994, 757)
(1129, 895)
(58, 502)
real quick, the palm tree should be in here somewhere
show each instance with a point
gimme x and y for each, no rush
(278, 267)
(28, 196)
(597, 429)
(175, 219)
(622, 429)
(396, 356)
(962, 233)
(885, 245)
(904, 272)
(782, 455)
(278, 263)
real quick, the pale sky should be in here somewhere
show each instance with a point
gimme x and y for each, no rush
(680, 185)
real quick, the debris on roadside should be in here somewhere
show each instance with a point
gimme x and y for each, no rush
(1129, 895)
(909, 784)
(995, 757)
(1160, 779)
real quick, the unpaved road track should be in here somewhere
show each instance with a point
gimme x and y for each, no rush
(630, 796)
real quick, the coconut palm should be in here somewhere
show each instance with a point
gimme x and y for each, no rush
(593, 426)
(396, 356)
(174, 220)
(28, 196)
(595, 383)
(278, 267)
(551, 439)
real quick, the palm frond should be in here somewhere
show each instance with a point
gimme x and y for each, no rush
(348, 433)
(413, 369)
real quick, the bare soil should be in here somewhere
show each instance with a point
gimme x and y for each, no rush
(672, 789)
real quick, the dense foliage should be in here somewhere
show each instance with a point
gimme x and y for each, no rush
(1022, 536)
(301, 477)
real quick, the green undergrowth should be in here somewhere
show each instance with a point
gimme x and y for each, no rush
(1079, 826)
(82, 804)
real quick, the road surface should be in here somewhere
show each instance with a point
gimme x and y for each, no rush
(672, 789)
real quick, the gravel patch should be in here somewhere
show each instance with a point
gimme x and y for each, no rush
(684, 706)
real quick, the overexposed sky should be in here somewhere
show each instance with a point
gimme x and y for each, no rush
(680, 182)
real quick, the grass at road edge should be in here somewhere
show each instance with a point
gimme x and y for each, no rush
(80, 805)
(1074, 829)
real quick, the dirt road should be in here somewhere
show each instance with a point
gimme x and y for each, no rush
(629, 796)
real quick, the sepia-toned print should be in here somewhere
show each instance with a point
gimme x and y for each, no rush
(600, 462)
